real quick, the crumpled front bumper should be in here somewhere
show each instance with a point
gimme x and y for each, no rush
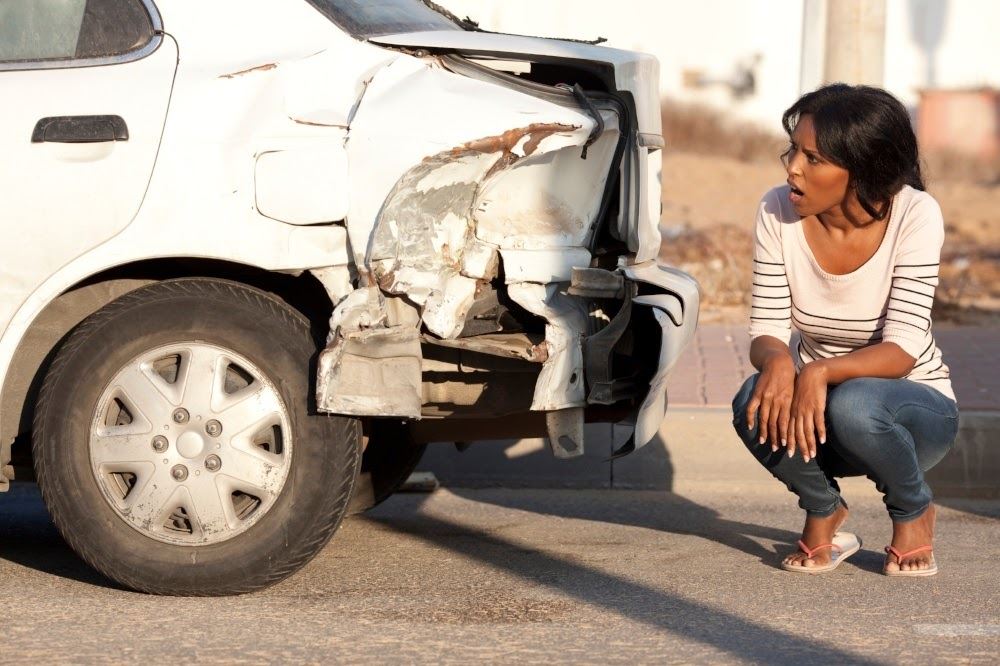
(672, 298)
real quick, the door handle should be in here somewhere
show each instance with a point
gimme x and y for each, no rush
(80, 129)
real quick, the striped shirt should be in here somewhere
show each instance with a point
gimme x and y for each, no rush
(888, 299)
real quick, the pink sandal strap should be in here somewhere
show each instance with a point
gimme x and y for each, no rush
(809, 551)
(900, 556)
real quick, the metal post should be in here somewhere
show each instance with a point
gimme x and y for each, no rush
(855, 41)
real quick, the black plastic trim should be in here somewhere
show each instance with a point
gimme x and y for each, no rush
(80, 129)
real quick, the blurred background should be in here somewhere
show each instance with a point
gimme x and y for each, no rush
(728, 68)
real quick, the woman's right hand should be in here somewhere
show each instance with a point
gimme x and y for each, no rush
(771, 401)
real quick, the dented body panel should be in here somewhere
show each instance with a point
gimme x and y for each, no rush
(500, 189)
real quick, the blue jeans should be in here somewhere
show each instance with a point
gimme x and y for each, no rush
(890, 430)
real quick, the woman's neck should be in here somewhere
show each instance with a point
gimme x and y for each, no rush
(847, 217)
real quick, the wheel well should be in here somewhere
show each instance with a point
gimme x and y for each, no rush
(41, 341)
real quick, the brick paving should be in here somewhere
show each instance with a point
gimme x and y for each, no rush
(716, 363)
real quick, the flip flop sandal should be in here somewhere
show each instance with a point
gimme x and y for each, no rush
(844, 545)
(929, 571)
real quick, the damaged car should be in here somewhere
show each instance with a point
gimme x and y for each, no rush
(261, 254)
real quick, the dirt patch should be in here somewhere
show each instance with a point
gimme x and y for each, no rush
(494, 607)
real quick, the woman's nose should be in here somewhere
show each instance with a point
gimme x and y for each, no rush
(792, 164)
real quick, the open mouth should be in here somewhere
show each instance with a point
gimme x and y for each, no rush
(794, 193)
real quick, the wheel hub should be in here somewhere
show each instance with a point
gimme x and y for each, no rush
(221, 443)
(191, 444)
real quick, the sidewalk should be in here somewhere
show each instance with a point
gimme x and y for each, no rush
(700, 390)
(716, 363)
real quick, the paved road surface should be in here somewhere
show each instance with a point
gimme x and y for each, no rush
(564, 576)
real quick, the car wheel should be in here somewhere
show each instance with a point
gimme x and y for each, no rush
(388, 460)
(176, 446)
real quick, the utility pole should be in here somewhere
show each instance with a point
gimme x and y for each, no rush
(842, 40)
(855, 41)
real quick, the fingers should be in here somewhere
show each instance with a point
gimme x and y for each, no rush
(792, 433)
(800, 435)
(752, 410)
(808, 445)
(764, 416)
(819, 422)
(772, 424)
(783, 426)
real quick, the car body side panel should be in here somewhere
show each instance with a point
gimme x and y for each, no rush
(240, 91)
(63, 199)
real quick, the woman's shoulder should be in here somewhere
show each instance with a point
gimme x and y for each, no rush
(776, 208)
(917, 209)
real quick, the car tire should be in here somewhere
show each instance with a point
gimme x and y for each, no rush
(232, 357)
(388, 460)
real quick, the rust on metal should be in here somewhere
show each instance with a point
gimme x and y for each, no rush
(539, 352)
(505, 143)
(258, 68)
(312, 124)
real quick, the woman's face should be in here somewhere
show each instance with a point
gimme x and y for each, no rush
(817, 185)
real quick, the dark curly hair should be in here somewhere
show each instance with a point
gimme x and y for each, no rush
(866, 131)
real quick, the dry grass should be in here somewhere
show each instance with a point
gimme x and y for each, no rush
(698, 129)
(947, 166)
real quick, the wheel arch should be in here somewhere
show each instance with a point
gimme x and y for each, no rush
(40, 341)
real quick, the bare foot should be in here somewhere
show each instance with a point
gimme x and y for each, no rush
(909, 535)
(818, 530)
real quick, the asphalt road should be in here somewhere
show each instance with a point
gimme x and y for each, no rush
(542, 575)
(564, 576)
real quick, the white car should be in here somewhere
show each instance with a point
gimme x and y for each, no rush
(249, 240)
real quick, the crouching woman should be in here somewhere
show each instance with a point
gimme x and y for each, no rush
(847, 253)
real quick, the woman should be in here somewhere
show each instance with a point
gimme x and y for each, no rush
(848, 253)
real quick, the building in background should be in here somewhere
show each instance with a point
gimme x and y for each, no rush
(753, 58)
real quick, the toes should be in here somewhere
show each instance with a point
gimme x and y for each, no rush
(808, 562)
(891, 566)
(798, 560)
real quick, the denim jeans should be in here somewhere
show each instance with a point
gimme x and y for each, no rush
(890, 430)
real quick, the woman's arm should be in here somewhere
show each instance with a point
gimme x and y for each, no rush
(886, 360)
(770, 330)
(767, 349)
(808, 409)
(772, 396)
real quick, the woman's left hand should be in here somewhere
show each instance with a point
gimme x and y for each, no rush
(808, 413)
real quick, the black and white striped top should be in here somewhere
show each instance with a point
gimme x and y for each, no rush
(888, 299)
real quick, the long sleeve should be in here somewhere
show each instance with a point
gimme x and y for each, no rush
(914, 280)
(771, 300)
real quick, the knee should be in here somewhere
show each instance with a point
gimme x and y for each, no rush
(741, 400)
(855, 407)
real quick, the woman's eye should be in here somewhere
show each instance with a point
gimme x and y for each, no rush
(812, 159)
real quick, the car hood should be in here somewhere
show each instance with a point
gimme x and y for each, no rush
(627, 71)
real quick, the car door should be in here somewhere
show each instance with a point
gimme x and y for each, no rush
(84, 86)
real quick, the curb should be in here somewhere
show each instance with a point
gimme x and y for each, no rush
(972, 467)
(696, 445)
